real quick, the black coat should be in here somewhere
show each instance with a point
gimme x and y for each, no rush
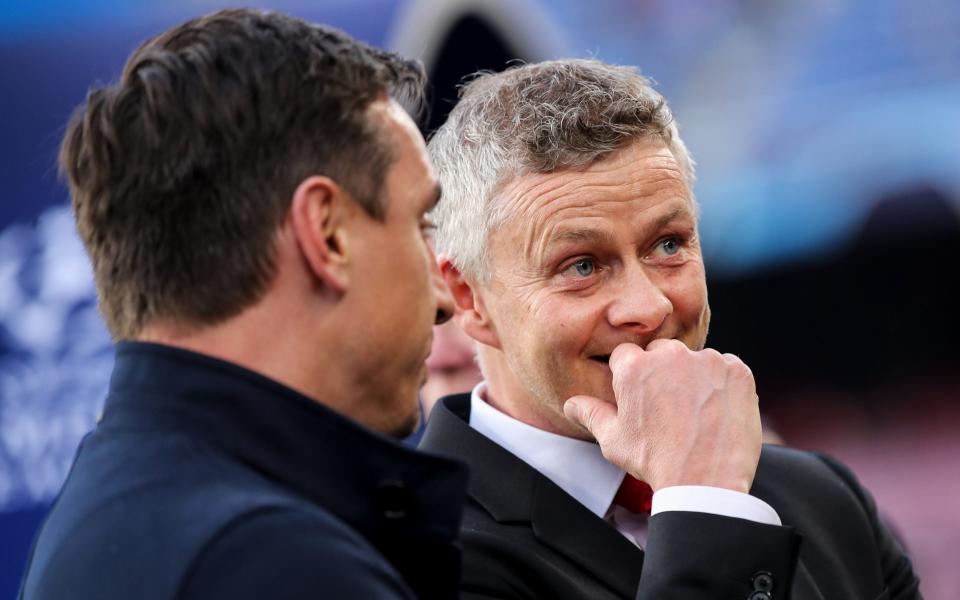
(206, 480)
(524, 537)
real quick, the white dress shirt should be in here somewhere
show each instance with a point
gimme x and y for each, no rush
(579, 468)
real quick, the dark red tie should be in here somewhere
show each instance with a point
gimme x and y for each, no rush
(634, 495)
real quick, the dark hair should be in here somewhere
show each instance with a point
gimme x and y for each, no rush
(182, 172)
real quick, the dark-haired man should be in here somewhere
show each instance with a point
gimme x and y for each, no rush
(613, 455)
(253, 203)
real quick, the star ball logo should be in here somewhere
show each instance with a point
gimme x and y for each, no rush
(55, 356)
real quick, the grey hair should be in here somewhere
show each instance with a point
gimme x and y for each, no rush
(536, 118)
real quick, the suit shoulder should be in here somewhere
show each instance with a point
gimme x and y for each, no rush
(824, 499)
(811, 491)
(792, 462)
(784, 455)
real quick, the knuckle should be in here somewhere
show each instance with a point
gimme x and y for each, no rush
(657, 343)
(712, 355)
(731, 358)
(669, 347)
(676, 346)
(737, 366)
(626, 355)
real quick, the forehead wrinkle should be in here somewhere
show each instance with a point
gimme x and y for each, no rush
(532, 203)
(592, 200)
(541, 234)
(538, 198)
(520, 195)
(557, 229)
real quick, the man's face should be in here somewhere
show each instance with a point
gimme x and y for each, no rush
(397, 285)
(588, 259)
(452, 365)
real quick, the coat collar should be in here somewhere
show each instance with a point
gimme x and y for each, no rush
(382, 488)
(511, 491)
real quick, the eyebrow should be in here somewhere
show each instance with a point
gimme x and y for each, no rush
(594, 235)
(678, 212)
(580, 235)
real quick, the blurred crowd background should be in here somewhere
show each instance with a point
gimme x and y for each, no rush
(827, 135)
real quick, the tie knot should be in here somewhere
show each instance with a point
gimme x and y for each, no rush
(634, 495)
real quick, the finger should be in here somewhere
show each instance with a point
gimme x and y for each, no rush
(739, 367)
(731, 358)
(623, 355)
(593, 414)
(660, 343)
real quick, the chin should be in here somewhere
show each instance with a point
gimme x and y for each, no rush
(405, 428)
(598, 383)
(399, 413)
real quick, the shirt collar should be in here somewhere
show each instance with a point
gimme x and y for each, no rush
(576, 466)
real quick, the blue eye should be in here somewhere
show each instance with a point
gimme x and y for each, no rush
(670, 246)
(583, 267)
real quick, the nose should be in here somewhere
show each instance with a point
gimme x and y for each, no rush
(641, 304)
(440, 292)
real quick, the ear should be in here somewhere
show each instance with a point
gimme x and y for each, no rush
(470, 311)
(318, 213)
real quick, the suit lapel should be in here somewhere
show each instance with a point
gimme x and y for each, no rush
(565, 525)
(499, 481)
(512, 491)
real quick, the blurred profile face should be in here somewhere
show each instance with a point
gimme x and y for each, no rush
(588, 259)
(452, 365)
(397, 286)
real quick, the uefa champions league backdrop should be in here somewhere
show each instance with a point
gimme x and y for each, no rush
(801, 118)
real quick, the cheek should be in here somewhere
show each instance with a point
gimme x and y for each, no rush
(566, 325)
(688, 293)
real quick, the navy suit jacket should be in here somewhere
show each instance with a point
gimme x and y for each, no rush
(524, 537)
(206, 480)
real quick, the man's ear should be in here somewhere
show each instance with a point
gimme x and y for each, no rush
(318, 213)
(471, 313)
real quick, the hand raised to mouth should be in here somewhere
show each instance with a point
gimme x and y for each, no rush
(682, 417)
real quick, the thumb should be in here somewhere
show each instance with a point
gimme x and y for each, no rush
(593, 414)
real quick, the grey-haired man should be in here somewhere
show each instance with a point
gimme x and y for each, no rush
(568, 236)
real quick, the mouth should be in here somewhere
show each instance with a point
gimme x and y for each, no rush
(601, 358)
